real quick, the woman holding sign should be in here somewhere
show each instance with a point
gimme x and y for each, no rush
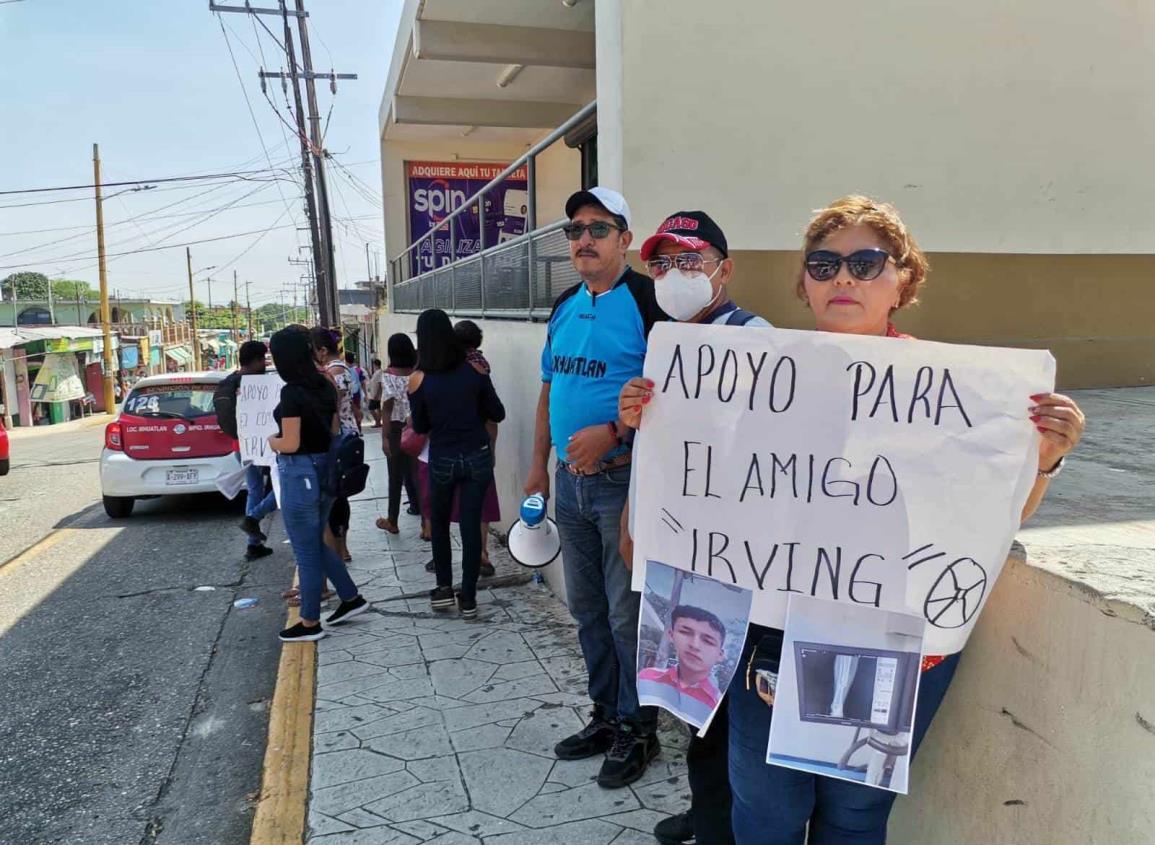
(307, 419)
(859, 266)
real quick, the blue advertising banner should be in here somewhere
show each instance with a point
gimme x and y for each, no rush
(438, 188)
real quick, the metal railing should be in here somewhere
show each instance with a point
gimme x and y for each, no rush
(518, 278)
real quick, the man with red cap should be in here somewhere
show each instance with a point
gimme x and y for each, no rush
(690, 263)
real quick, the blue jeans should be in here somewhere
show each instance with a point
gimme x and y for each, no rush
(471, 474)
(773, 805)
(259, 504)
(588, 509)
(305, 510)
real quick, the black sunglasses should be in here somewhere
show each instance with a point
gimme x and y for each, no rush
(865, 264)
(574, 231)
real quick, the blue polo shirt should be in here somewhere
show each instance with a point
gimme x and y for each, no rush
(595, 343)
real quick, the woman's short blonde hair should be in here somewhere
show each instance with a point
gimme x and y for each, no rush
(855, 210)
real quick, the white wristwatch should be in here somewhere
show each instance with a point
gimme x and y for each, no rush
(1053, 471)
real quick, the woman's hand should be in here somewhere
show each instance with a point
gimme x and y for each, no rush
(1061, 423)
(636, 394)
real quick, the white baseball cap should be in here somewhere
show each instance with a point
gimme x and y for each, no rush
(610, 200)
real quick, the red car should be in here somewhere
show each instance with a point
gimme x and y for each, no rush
(3, 449)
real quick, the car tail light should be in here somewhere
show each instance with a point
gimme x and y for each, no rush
(112, 437)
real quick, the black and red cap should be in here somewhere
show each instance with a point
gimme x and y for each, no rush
(694, 230)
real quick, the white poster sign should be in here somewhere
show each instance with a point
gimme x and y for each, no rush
(58, 379)
(256, 400)
(876, 471)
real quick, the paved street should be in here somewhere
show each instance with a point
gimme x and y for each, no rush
(134, 706)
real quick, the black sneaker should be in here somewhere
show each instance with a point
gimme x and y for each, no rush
(430, 566)
(300, 634)
(442, 598)
(346, 610)
(253, 528)
(412, 511)
(468, 607)
(675, 830)
(487, 570)
(627, 759)
(595, 738)
(257, 552)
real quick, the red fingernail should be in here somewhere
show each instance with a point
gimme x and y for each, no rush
(645, 399)
(1035, 419)
(1040, 428)
(1038, 396)
(649, 382)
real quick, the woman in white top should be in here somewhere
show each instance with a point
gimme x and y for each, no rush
(395, 410)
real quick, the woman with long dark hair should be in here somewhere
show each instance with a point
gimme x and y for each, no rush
(394, 413)
(328, 357)
(452, 400)
(307, 419)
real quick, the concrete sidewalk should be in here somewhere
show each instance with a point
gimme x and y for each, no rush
(433, 729)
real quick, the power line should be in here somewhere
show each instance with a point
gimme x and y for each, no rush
(248, 104)
(150, 214)
(172, 246)
(242, 175)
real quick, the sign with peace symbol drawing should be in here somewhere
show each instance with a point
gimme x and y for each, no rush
(875, 471)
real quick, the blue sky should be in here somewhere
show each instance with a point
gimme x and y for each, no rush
(152, 82)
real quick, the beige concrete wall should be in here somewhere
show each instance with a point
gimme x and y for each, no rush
(559, 174)
(1006, 134)
(513, 350)
(994, 126)
(1092, 311)
(1046, 736)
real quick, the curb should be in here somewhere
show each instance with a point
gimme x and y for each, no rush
(281, 809)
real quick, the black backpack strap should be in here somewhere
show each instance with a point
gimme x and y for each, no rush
(642, 288)
(739, 317)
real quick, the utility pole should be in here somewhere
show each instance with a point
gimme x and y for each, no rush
(328, 281)
(312, 148)
(249, 307)
(302, 135)
(192, 305)
(109, 392)
(236, 298)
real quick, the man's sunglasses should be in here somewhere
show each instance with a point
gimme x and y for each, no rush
(865, 264)
(687, 262)
(574, 231)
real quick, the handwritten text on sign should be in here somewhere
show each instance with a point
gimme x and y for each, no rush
(870, 470)
(256, 400)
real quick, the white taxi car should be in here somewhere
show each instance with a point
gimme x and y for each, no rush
(165, 441)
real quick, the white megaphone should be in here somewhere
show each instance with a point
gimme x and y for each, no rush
(533, 539)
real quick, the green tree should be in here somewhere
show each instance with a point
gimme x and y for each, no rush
(26, 284)
(271, 316)
(71, 290)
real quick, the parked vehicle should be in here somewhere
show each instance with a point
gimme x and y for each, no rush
(164, 441)
(3, 449)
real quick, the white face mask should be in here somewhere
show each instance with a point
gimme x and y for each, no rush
(683, 295)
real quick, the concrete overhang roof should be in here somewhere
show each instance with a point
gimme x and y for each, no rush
(451, 55)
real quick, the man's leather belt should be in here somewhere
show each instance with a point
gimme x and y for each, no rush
(613, 463)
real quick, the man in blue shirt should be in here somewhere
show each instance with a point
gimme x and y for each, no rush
(596, 342)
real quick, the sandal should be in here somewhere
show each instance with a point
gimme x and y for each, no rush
(293, 597)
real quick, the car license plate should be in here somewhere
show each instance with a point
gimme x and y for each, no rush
(182, 476)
